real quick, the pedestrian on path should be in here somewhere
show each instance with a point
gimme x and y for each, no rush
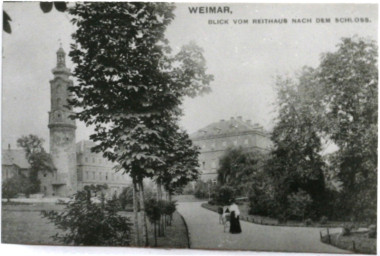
(220, 211)
(235, 227)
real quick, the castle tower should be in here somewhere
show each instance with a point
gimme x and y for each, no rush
(62, 131)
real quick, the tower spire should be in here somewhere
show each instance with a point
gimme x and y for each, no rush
(61, 63)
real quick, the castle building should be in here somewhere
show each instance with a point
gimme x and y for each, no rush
(216, 138)
(75, 165)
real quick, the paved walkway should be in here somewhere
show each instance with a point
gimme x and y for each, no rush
(206, 233)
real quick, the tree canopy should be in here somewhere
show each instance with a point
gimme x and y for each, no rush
(39, 160)
(349, 85)
(129, 86)
(335, 102)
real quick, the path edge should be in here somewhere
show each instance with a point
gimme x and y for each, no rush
(187, 230)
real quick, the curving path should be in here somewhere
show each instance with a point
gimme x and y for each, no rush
(207, 233)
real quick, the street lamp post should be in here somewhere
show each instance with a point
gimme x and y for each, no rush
(209, 194)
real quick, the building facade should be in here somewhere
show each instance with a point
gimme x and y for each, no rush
(13, 163)
(93, 168)
(216, 138)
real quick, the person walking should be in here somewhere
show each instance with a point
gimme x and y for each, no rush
(235, 227)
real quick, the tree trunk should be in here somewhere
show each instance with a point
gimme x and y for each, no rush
(163, 224)
(170, 196)
(159, 197)
(136, 214)
(155, 234)
(159, 190)
(143, 215)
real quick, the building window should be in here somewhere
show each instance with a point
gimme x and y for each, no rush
(86, 175)
(93, 175)
(203, 165)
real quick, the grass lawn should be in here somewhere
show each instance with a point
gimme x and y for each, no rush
(23, 224)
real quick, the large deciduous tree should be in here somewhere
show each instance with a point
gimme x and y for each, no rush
(129, 85)
(349, 82)
(38, 159)
(336, 102)
(295, 163)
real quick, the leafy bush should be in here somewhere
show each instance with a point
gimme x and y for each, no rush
(153, 209)
(323, 220)
(298, 204)
(224, 195)
(170, 208)
(308, 222)
(15, 185)
(346, 229)
(84, 222)
(211, 202)
(282, 218)
(126, 197)
(372, 231)
(201, 190)
(262, 203)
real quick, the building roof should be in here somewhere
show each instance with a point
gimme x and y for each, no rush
(14, 157)
(84, 146)
(227, 127)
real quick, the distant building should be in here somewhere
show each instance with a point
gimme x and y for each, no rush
(76, 166)
(13, 162)
(217, 137)
(93, 168)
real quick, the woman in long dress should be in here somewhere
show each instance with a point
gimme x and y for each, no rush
(235, 227)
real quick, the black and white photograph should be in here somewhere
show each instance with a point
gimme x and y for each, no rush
(190, 126)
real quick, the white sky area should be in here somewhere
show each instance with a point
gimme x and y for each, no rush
(244, 59)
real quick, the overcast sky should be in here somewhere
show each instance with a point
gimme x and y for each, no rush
(243, 58)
